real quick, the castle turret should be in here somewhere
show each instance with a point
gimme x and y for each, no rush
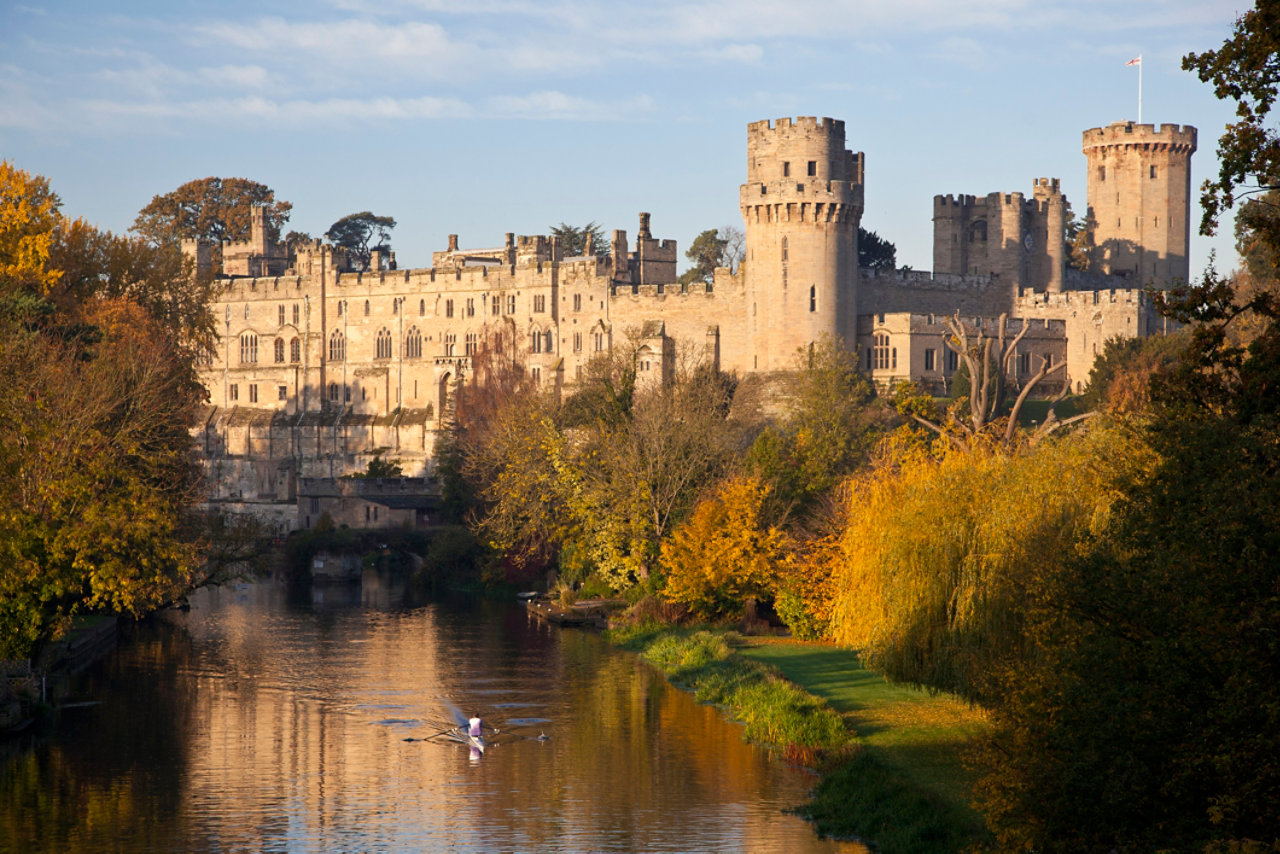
(1139, 181)
(802, 204)
(1051, 208)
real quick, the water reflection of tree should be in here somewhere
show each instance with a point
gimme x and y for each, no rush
(113, 772)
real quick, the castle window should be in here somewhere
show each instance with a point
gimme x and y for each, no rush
(536, 373)
(813, 298)
(813, 168)
(279, 350)
(395, 306)
(599, 342)
(546, 343)
(233, 392)
(333, 392)
(295, 350)
(496, 308)
(366, 308)
(786, 169)
(281, 314)
(784, 250)
(471, 307)
(282, 392)
(539, 303)
(577, 342)
(346, 394)
(511, 305)
(577, 302)
(413, 344)
(893, 358)
(341, 306)
(535, 342)
(1024, 363)
(1102, 173)
(930, 359)
(382, 346)
(253, 392)
(297, 314)
(422, 308)
(471, 344)
(337, 347)
(880, 351)
(448, 308)
(1153, 171)
(952, 360)
(450, 344)
(1156, 223)
(248, 348)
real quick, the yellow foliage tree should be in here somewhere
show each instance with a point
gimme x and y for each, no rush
(938, 556)
(28, 217)
(724, 554)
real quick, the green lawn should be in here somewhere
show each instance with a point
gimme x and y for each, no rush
(920, 735)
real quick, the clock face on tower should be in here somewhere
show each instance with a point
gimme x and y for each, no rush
(1027, 241)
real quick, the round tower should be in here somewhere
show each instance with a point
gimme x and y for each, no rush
(802, 204)
(1139, 185)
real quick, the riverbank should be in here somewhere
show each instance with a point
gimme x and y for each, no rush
(892, 758)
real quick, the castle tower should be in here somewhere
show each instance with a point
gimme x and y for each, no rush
(1139, 183)
(1051, 233)
(802, 204)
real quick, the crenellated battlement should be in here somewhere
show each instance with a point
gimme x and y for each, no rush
(1181, 138)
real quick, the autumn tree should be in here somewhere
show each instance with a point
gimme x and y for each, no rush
(725, 552)
(360, 234)
(211, 209)
(577, 240)
(28, 219)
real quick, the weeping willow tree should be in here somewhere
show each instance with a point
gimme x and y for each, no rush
(937, 555)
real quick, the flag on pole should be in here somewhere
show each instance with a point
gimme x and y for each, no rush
(1135, 61)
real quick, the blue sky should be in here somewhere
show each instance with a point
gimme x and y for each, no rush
(480, 117)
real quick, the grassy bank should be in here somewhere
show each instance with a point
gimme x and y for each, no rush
(892, 757)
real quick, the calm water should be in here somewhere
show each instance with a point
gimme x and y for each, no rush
(260, 723)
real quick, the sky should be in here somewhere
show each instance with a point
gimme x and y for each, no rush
(481, 117)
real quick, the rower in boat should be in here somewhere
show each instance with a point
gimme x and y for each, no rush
(475, 730)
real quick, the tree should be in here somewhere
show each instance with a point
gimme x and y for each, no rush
(980, 416)
(581, 240)
(874, 252)
(360, 234)
(211, 209)
(725, 553)
(706, 252)
(295, 239)
(1079, 239)
(1246, 69)
(28, 218)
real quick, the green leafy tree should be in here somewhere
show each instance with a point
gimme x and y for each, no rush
(587, 239)
(212, 209)
(1246, 70)
(706, 253)
(874, 252)
(360, 234)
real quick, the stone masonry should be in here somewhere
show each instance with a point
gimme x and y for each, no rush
(319, 368)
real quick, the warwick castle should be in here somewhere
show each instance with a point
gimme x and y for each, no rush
(321, 367)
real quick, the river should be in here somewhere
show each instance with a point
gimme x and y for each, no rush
(267, 721)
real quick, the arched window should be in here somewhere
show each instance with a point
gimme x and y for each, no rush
(248, 348)
(279, 349)
(382, 347)
(334, 395)
(880, 351)
(450, 344)
(295, 350)
(546, 342)
(422, 308)
(535, 342)
(413, 344)
(337, 347)
(366, 308)
(471, 344)
(342, 306)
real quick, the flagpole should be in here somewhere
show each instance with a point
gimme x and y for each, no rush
(1139, 88)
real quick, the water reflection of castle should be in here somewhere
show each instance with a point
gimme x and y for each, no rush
(320, 366)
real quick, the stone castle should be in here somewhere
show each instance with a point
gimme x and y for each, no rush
(320, 367)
